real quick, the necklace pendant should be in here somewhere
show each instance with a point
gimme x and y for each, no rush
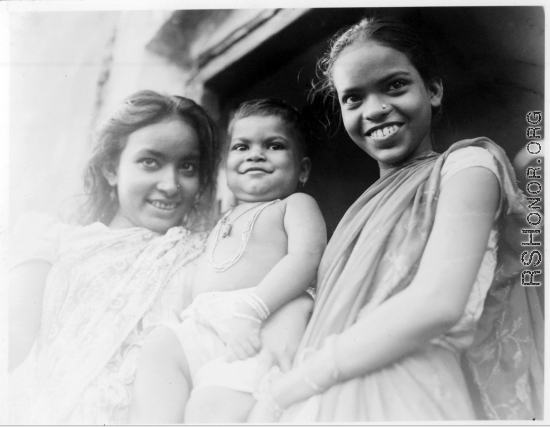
(226, 229)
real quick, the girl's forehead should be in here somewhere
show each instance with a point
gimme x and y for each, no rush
(173, 138)
(369, 60)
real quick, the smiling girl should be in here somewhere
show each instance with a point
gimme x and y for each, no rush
(386, 104)
(83, 297)
(417, 264)
(154, 174)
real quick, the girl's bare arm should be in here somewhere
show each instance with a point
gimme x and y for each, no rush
(432, 303)
(26, 293)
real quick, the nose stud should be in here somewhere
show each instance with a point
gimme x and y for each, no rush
(384, 106)
(179, 186)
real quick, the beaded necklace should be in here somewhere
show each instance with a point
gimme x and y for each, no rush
(244, 240)
(227, 225)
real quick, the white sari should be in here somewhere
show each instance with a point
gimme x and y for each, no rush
(106, 287)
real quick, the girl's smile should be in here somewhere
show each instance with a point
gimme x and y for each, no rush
(386, 105)
(157, 178)
(384, 132)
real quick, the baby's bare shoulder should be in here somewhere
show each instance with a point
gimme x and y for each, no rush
(300, 199)
(302, 208)
(302, 204)
(304, 223)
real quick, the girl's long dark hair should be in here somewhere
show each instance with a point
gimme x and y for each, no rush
(139, 110)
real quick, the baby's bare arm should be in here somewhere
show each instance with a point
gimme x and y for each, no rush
(307, 239)
(290, 254)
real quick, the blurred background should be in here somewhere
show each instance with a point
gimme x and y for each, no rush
(68, 70)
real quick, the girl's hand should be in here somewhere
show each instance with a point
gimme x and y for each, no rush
(301, 382)
(270, 356)
(315, 373)
(278, 391)
(266, 409)
(262, 413)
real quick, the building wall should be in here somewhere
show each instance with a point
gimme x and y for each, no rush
(68, 71)
(54, 68)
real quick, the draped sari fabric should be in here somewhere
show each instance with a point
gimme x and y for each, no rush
(95, 296)
(374, 254)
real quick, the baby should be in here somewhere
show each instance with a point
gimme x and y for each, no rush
(261, 255)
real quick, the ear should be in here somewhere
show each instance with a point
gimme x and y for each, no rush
(110, 176)
(435, 89)
(305, 169)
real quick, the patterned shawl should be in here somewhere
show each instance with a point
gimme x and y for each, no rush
(396, 215)
(95, 296)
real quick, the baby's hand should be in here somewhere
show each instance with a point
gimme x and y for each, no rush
(242, 333)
